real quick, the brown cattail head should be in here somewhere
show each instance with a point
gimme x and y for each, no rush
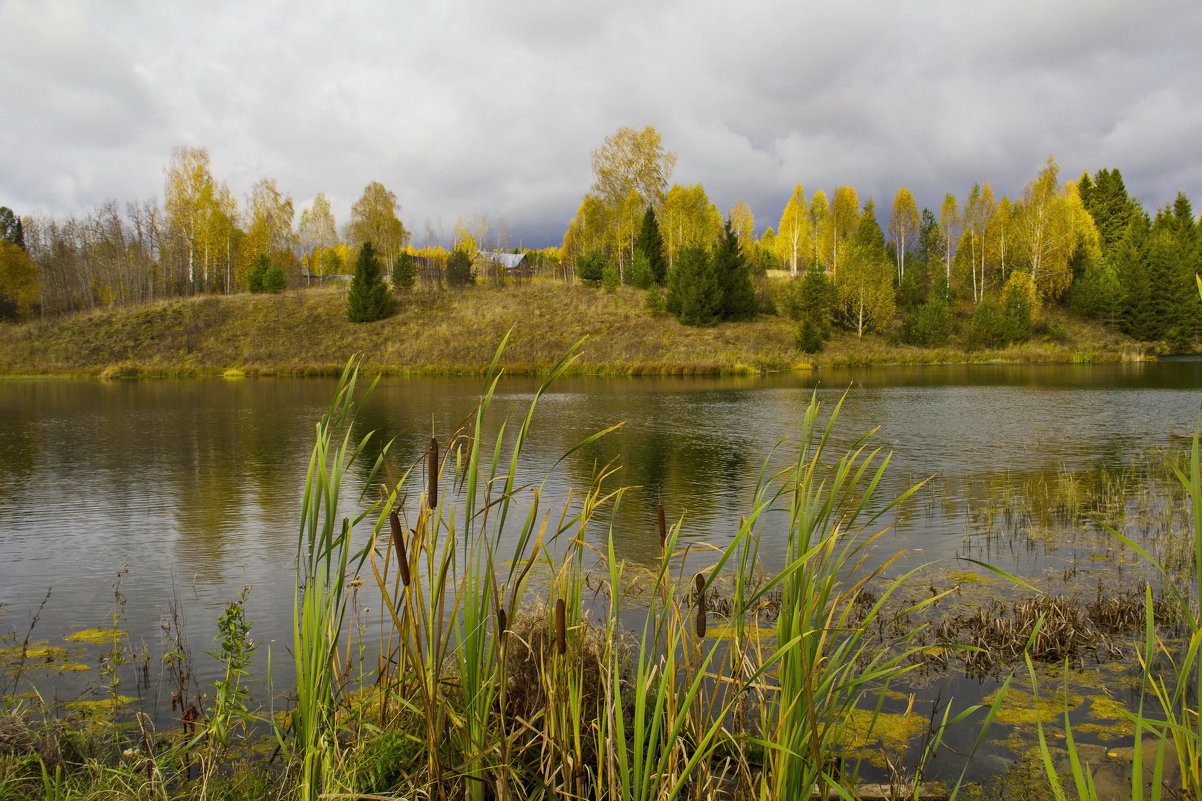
(398, 543)
(561, 626)
(699, 583)
(662, 525)
(432, 474)
(502, 623)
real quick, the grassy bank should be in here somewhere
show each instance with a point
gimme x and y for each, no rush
(305, 332)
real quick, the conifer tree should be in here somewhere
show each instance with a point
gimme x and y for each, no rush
(694, 292)
(650, 244)
(404, 272)
(1137, 318)
(368, 298)
(734, 277)
(459, 269)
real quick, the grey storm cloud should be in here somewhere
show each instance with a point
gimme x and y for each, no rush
(475, 108)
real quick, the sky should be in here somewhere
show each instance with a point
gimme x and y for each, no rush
(491, 108)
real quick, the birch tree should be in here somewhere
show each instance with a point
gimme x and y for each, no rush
(903, 228)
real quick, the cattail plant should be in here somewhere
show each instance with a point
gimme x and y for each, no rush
(561, 628)
(432, 474)
(699, 628)
(398, 544)
(662, 526)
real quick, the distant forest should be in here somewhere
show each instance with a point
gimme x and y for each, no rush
(983, 265)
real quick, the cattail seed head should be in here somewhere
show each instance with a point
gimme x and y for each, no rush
(662, 525)
(432, 474)
(561, 626)
(699, 583)
(398, 543)
(502, 623)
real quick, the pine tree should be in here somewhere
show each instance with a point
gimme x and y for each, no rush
(650, 244)
(734, 278)
(404, 272)
(459, 269)
(368, 298)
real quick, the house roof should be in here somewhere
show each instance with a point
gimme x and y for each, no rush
(506, 260)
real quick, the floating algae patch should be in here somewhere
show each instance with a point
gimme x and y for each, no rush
(725, 631)
(99, 707)
(1115, 715)
(96, 636)
(872, 736)
(35, 652)
(1023, 709)
(963, 577)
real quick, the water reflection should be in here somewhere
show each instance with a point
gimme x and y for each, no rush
(196, 485)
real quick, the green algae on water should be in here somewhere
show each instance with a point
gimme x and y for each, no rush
(97, 636)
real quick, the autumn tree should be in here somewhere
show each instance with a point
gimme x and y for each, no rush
(368, 298)
(949, 229)
(1046, 228)
(793, 235)
(268, 222)
(978, 212)
(632, 161)
(904, 223)
(689, 219)
(316, 231)
(841, 223)
(188, 188)
(819, 209)
(588, 230)
(374, 218)
(864, 291)
(18, 280)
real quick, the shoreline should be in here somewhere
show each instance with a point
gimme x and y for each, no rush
(304, 333)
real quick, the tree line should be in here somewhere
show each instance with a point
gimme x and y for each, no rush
(982, 265)
(987, 265)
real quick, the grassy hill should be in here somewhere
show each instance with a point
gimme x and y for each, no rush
(306, 332)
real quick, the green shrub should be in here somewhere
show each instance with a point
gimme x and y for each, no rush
(274, 280)
(459, 269)
(810, 337)
(590, 267)
(258, 273)
(928, 325)
(610, 278)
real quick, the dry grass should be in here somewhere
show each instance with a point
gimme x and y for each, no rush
(304, 332)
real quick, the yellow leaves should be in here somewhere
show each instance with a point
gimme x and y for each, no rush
(631, 160)
(18, 279)
(794, 238)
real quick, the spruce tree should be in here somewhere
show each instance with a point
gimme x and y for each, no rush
(368, 298)
(734, 277)
(651, 245)
(696, 293)
(1129, 260)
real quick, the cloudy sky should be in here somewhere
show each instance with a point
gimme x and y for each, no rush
(471, 108)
